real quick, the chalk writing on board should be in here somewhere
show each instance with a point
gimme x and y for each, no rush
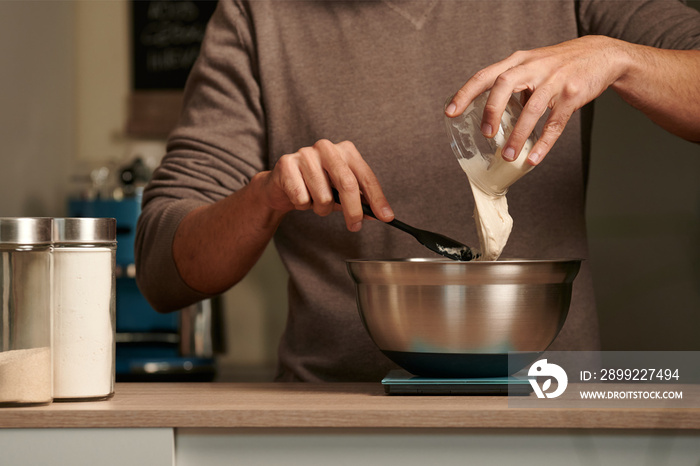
(166, 37)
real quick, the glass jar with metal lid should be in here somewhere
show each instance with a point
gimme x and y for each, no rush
(25, 311)
(84, 311)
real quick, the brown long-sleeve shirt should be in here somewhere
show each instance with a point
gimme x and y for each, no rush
(274, 76)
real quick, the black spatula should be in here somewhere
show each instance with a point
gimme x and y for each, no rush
(436, 242)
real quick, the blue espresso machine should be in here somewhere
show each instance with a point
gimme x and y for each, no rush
(151, 346)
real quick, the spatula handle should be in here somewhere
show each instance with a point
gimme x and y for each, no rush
(367, 210)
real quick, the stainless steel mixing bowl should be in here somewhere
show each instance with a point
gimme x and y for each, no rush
(442, 318)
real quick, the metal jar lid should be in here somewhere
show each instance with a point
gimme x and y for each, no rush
(84, 230)
(25, 230)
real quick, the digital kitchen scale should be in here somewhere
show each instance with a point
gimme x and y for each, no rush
(400, 382)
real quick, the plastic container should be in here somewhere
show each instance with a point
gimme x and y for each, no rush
(479, 156)
(25, 311)
(84, 311)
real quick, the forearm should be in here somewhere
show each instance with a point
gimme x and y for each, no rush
(216, 245)
(664, 85)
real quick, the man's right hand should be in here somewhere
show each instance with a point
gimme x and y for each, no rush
(303, 181)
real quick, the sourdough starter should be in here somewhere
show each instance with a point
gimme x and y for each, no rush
(493, 222)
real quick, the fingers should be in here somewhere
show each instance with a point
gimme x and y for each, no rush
(562, 78)
(475, 86)
(367, 182)
(545, 97)
(502, 80)
(315, 180)
(305, 179)
(553, 128)
(534, 109)
(338, 161)
(494, 108)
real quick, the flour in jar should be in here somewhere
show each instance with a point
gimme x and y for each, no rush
(84, 338)
(25, 376)
(493, 222)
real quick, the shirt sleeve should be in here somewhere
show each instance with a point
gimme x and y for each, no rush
(667, 24)
(216, 148)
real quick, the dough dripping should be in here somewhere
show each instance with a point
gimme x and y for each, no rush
(493, 222)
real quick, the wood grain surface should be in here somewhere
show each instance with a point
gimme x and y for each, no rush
(276, 405)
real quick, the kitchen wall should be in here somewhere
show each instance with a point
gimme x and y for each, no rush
(63, 96)
(64, 89)
(37, 105)
(644, 229)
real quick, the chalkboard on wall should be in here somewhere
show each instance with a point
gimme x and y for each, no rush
(166, 37)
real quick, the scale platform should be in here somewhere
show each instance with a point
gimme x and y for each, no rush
(400, 382)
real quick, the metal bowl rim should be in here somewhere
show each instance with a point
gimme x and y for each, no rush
(441, 261)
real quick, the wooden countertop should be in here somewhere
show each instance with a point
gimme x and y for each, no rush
(277, 405)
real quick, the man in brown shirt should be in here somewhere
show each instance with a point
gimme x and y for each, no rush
(290, 97)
